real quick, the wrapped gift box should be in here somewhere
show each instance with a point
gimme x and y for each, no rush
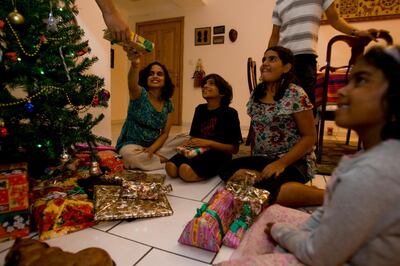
(109, 205)
(14, 187)
(136, 41)
(60, 214)
(108, 160)
(212, 220)
(14, 225)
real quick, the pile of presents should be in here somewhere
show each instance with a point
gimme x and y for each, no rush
(78, 196)
(73, 198)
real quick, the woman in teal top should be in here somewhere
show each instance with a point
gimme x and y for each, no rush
(149, 118)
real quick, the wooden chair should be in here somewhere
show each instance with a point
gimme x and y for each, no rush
(252, 82)
(357, 45)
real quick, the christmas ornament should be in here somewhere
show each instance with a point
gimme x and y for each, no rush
(12, 56)
(3, 132)
(15, 17)
(29, 107)
(1, 55)
(104, 95)
(94, 169)
(52, 22)
(64, 157)
(95, 101)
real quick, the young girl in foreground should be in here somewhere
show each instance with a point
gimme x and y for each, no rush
(359, 223)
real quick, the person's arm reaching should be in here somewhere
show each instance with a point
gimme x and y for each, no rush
(133, 75)
(341, 25)
(274, 38)
(116, 24)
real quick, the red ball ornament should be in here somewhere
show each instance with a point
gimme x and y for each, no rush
(3, 132)
(12, 56)
(1, 24)
(95, 101)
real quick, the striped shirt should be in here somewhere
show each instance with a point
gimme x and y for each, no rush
(299, 22)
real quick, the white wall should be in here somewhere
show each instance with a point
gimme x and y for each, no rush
(91, 21)
(252, 20)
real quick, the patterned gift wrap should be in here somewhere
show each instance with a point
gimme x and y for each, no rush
(136, 41)
(14, 225)
(109, 205)
(14, 187)
(108, 160)
(207, 228)
(249, 202)
(59, 214)
(190, 152)
(132, 176)
(139, 190)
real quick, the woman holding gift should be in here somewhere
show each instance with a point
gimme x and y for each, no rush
(283, 126)
(215, 129)
(143, 142)
(359, 223)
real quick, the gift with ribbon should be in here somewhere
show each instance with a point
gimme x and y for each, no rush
(249, 202)
(191, 152)
(207, 229)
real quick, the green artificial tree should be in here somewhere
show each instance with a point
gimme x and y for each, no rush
(45, 87)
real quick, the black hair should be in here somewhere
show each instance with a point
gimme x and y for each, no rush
(168, 88)
(379, 58)
(287, 57)
(223, 86)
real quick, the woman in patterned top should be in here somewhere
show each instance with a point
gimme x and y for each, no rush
(283, 125)
(143, 140)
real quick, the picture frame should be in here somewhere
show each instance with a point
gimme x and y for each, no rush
(219, 39)
(219, 30)
(202, 36)
(365, 10)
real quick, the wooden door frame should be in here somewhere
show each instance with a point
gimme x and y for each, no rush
(180, 78)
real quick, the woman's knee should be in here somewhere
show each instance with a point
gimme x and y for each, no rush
(188, 174)
(171, 169)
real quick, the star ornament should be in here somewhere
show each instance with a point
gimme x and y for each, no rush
(52, 22)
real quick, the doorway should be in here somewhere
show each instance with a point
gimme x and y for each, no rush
(167, 35)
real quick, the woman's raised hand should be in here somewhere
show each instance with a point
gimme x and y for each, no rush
(133, 55)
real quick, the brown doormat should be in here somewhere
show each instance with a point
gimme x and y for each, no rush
(332, 152)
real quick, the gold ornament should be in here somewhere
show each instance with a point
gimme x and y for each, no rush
(94, 169)
(16, 18)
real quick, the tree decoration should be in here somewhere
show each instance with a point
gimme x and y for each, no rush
(94, 169)
(56, 88)
(15, 17)
(64, 157)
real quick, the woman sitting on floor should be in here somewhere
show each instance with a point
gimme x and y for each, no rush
(143, 142)
(359, 223)
(283, 125)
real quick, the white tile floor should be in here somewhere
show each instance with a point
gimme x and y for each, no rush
(151, 241)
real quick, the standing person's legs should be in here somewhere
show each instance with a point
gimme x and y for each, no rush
(306, 72)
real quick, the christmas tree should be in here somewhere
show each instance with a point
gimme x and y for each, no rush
(45, 87)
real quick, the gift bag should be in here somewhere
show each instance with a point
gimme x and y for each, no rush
(191, 152)
(210, 223)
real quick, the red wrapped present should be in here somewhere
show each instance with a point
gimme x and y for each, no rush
(108, 160)
(14, 187)
(14, 225)
(59, 214)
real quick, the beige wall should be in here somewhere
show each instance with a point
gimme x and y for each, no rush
(252, 20)
(90, 19)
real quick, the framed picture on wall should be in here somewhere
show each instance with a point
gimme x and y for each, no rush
(202, 36)
(218, 39)
(219, 30)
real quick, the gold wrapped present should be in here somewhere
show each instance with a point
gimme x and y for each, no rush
(109, 205)
(136, 41)
(139, 190)
(256, 198)
(133, 176)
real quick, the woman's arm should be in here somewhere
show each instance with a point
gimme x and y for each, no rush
(162, 138)
(133, 75)
(305, 123)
